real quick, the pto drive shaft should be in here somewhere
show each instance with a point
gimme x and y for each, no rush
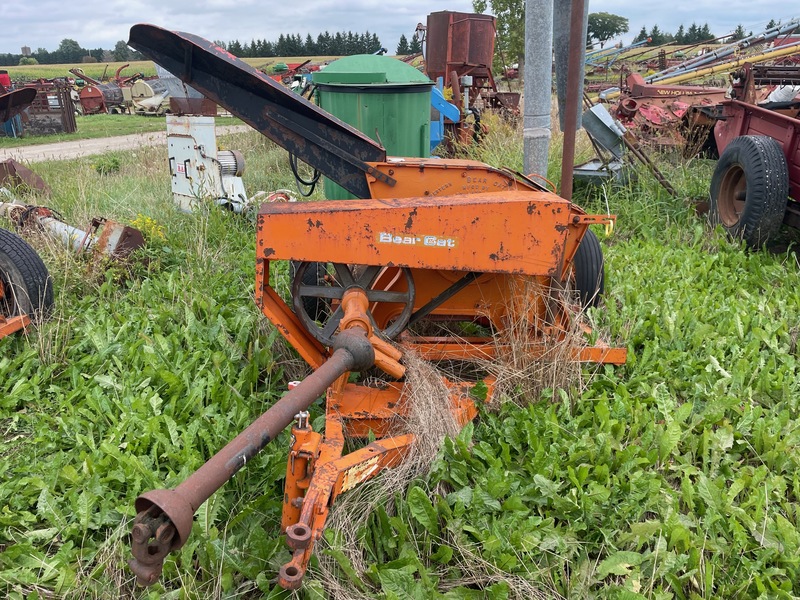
(164, 517)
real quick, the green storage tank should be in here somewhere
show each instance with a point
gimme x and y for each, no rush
(384, 98)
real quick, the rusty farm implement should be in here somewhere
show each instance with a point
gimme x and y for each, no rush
(425, 240)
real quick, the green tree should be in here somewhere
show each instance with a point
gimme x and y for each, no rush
(603, 26)
(510, 15)
(642, 35)
(350, 44)
(772, 24)
(281, 46)
(374, 43)
(27, 61)
(309, 46)
(337, 45)
(324, 41)
(235, 48)
(403, 48)
(295, 44)
(44, 57)
(120, 51)
(69, 51)
(680, 36)
(693, 34)
(739, 33)
(416, 46)
(656, 36)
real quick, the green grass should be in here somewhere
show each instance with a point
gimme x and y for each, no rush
(673, 476)
(101, 126)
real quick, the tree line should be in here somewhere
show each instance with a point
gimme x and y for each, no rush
(695, 34)
(70, 52)
(404, 48)
(326, 44)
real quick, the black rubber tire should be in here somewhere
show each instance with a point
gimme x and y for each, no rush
(750, 189)
(28, 289)
(588, 268)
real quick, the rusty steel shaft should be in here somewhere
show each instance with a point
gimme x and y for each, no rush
(164, 517)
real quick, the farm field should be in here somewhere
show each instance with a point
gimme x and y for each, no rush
(674, 476)
(103, 70)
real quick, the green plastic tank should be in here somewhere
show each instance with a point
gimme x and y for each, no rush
(384, 98)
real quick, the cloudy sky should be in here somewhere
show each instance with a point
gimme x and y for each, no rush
(44, 23)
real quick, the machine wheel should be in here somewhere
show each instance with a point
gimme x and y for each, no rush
(750, 189)
(25, 284)
(313, 275)
(306, 293)
(589, 271)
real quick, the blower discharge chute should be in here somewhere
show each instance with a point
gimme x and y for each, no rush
(425, 240)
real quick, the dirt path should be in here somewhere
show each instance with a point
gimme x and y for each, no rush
(79, 148)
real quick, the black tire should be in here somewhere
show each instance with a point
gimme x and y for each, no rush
(27, 287)
(589, 270)
(750, 189)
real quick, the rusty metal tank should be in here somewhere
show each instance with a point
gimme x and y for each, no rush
(103, 97)
(461, 42)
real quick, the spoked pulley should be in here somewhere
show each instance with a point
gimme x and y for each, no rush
(330, 289)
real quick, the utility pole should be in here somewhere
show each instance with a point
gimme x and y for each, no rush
(538, 75)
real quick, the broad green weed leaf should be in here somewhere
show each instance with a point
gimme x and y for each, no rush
(619, 563)
(422, 510)
(669, 440)
(443, 554)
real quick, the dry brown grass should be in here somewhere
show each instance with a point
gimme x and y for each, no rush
(426, 400)
(526, 363)
(520, 379)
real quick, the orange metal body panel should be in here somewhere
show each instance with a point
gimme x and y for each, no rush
(418, 177)
(511, 232)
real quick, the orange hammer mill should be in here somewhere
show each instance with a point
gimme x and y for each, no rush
(426, 240)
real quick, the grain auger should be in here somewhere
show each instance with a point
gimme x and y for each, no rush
(426, 240)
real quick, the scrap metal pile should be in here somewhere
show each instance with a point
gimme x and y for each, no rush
(426, 241)
(26, 293)
(665, 108)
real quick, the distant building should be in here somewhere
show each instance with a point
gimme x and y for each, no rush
(26, 51)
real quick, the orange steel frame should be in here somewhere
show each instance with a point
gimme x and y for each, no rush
(441, 219)
(440, 240)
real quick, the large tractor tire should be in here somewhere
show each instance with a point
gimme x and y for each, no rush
(750, 189)
(25, 284)
(589, 271)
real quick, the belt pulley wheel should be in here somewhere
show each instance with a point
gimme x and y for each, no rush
(333, 287)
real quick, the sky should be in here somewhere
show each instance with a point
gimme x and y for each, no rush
(44, 23)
